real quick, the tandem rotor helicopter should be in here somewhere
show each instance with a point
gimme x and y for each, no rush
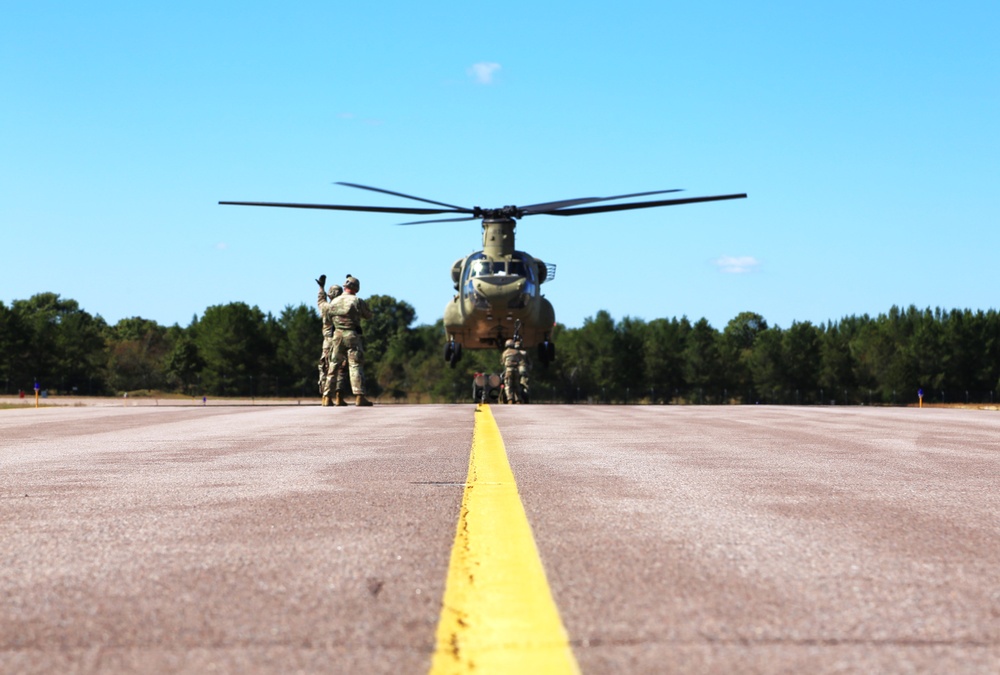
(498, 288)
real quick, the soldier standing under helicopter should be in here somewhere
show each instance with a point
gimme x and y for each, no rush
(325, 367)
(522, 371)
(511, 359)
(347, 311)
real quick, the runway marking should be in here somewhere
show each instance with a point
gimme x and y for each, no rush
(497, 615)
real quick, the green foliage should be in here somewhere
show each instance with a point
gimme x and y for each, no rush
(236, 349)
(232, 341)
(664, 354)
(64, 348)
(736, 346)
(703, 365)
(800, 352)
(386, 343)
(767, 367)
(183, 366)
(299, 345)
(835, 362)
(137, 351)
(592, 351)
(629, 347)
(15, 350)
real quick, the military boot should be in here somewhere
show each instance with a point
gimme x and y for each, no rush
(326, 401)
(339, 400)
(362, 401)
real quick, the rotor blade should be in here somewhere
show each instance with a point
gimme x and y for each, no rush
(335, 207)
(443, 220)
(635, 205)
(400, 194)
(549, 206)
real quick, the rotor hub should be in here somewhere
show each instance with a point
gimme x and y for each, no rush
(504, 212)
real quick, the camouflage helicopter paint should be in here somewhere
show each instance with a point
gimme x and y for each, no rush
(498, 288)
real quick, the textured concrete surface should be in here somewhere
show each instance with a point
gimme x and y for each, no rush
(226, 539)
(768, 539)
(675, 539)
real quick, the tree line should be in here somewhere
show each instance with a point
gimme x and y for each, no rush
(238, 350)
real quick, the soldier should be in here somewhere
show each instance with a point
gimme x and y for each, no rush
(511, 359)
(323, 302)
(522, 370)
(347, 312)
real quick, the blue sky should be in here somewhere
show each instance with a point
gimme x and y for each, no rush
(867, 136)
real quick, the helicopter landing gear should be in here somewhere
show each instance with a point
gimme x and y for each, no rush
(452, 352)
(546, 352)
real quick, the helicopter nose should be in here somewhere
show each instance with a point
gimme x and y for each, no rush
(500, 280)
(499, 290)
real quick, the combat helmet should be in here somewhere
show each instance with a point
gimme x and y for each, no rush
(352, 283)
(334, 291)
(509, 344)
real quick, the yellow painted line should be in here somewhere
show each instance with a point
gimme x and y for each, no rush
(498, 615)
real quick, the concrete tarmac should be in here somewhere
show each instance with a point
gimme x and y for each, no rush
(751, 539)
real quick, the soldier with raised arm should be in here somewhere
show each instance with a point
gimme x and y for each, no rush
(326, 368)
(347, 311)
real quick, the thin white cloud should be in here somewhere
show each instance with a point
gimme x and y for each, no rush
(737, 264)
(483, 72)
(221, 246)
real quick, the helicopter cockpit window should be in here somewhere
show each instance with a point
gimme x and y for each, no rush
(527, 273)
(479, 267)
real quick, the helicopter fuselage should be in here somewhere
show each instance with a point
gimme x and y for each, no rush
(498, 289)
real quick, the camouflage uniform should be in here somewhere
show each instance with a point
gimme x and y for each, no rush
(323, 302)
(511, 359)
(522, 368)
(347, 312)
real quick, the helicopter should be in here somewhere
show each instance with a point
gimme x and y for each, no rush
(499, 287)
